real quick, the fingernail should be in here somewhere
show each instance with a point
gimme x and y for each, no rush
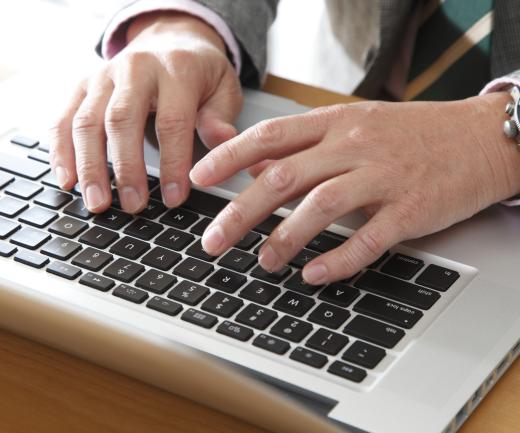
(213, 239)
(62, 176)
(202, 171)
(94, 196)
(268, 258)
(171, 194)
(315, 274)
(130, 199)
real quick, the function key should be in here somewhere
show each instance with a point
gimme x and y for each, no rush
(291, 329)
(294, 303)
(30, 238)
(23, 189)
(161, 258)
(60, 248)
(68, 227)
(204, 203)
(221, 304)
(238, 260)
(402, 266)
(53, 199)
(326, 241)
(30, 258)
(143, 229)
(437, 277)
(7, 250)
(389, 311)
(308, 357)
(179, 218)
(156, 281)
(97, 282)
(271, 277)
(364, 354)
(131, 294)
(303, 257)
(198, 229)
(199, 318)
(64, 270)
(37, 217)
(164, 306)
(98, 237)
(256, 316)
(22, 140)
(260, 292)
(271, 344)
(196, 250)
(153, 210)
(92, 259)
(227, 281)
(327, 341)
(339, 294)
(7, 227)
(193, 269)
(298, 284)
(347, 371)
(112, 219)
(124, 270)
(188, 293)
(235, 331)
(24, 167)
(174, 239)
(5, 179)
(10, 207)
(129, 248)
(248, 241)
(78, 209)
(329, 315)
(376, 332)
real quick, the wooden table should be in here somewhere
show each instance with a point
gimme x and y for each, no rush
(43, 390)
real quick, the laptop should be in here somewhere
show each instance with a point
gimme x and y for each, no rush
(411, 344)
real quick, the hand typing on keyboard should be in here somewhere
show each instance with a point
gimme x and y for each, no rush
(174, 64)
(406, 165)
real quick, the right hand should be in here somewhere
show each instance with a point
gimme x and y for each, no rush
(174, 64)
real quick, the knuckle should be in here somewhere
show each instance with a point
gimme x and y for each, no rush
(280, 177)
(372, 242)
(172, 124)
(235, 213)
(283, 240)
(323, 199)
(86, 120)
(331, 111)
(118, 116)
(87, 167)
(268, 132)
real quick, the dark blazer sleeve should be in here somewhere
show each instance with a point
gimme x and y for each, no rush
(249, 20)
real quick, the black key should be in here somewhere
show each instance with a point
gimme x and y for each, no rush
(161, 258)
(376, 332)
(31, 259)
(179, 218)
(53, 199)
(402, 266)
(291, 328)
(298, 284)
(129, 293)
(294, 303)
(23, 189)
(68, 227)
(233, 330)
(389, 311)
(269, 224)
(227, 281)
(198, 229)
(260, 292)
(327, 341)
(24, 141)
(130, 248)
(303, 257)
(92, 259)
(96, 282)
(61, 248)
(308, 357)
(174, 239)
(346, 371)
(30, 238)
(364, 354)
(196, 250)
(399, 290)
(24, 167)
(5, 179)
(116, 202)
(78, 209)
(76, 189)
(238, 260)
(256, 316)
(39, 155)
(199, 318)
(329, 315)
(98, 237)
(189, 293)
(221, 304)
(339, 294)
(152, 182)
(10, 207)
(123, 270)
(164, 306)
(271, 277)
(50, 180)
(64, 270)
(326, 241)
(7, 227)
(7, 250)
(271, 344)
(112, 219)
(437, 278)
(248, 241)
(153, 210)
(379, 260)
(204, 203)
(156, 194)
(155, 281)
(37, 217)
(143, 229)
(193, 269)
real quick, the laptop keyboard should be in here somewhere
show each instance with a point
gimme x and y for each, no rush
(155, 259)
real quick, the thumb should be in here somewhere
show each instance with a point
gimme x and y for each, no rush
(215, 118)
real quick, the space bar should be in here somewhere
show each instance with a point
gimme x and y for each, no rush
(22, 166)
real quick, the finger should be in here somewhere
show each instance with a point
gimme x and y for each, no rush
(175, 126)
(322, 206)
(283, 181)
(90, 145)
(62, 156)
(256, 169)
(274, 138)
(124, 123)
(215, 118)
(382, 231)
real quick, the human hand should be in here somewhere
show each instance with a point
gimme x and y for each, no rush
(414, 168)
(174, 64)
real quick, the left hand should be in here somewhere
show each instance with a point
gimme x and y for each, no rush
(414, 168)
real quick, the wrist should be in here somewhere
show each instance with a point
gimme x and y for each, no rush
(155, 23)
